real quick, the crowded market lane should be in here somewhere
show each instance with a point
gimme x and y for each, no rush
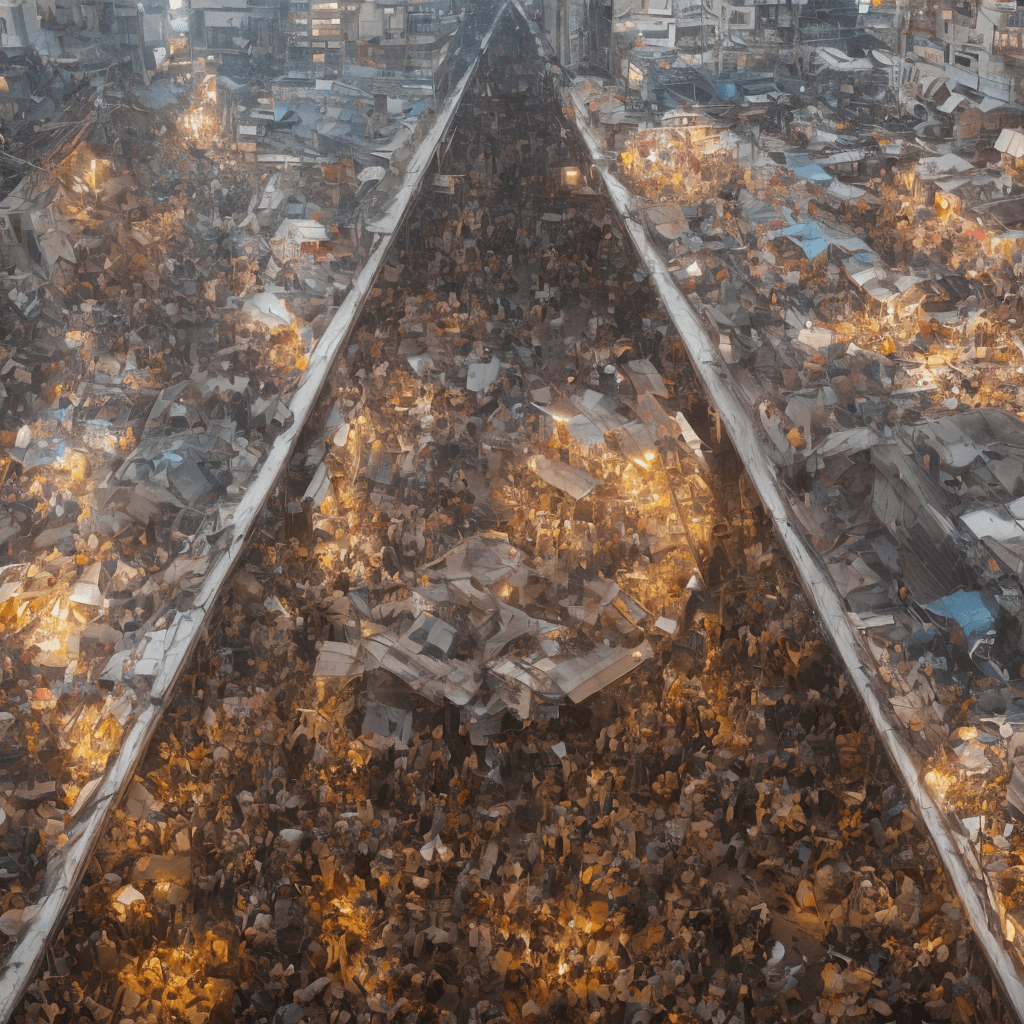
(515, 710)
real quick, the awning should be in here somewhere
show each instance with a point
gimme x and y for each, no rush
(989, 103)
(927, 85)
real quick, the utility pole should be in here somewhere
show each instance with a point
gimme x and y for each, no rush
(796, 36)
(901, 46)
(342, 44)
(309, 37)
(720, 40)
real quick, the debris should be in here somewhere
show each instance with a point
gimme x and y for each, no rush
(517, 707)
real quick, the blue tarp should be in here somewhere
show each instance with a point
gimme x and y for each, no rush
(814, 239)
(804, 168)
(808, 236)
(812, 172)
(975, 613)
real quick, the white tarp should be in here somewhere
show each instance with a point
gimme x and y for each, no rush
(1011, 142)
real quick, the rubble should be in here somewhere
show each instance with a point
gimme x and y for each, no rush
(850, 318)
(516, 710)
(713, 836)
(145, 456)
